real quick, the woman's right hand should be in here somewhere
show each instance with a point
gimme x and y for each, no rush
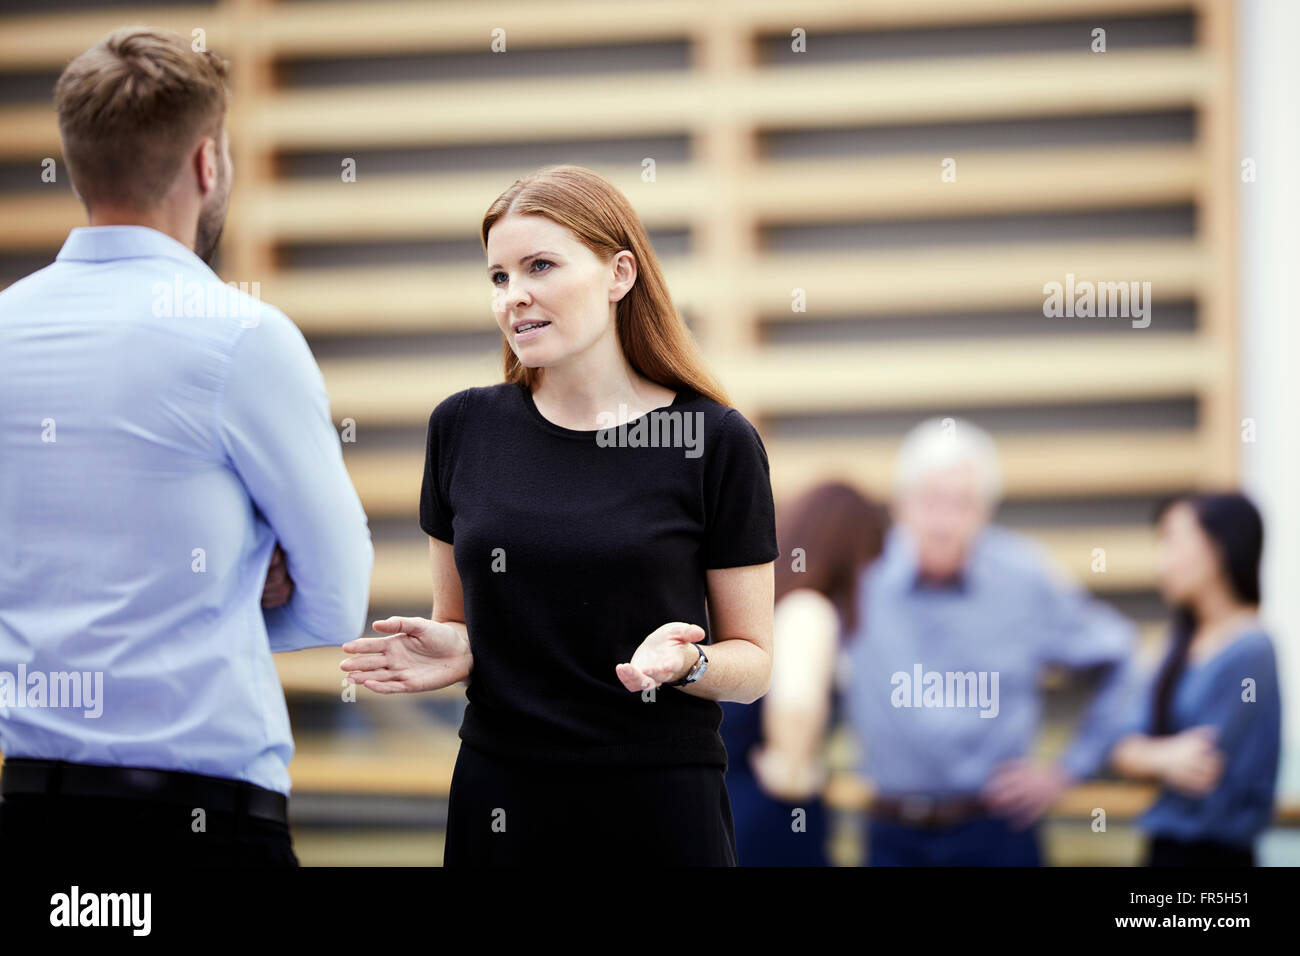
(415, 655)
(1190, 763)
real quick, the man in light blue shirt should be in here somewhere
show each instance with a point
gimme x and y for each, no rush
(959, 621)
(160, 433)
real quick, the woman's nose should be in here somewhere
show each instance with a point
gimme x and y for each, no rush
(518, 294)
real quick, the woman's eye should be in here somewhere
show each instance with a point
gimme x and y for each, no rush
(497, 276)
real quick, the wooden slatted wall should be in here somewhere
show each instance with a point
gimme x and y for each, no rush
(776, 171)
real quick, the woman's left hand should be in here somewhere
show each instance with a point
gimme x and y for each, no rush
(664, 656)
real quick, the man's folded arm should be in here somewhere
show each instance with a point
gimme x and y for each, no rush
(276, 428)
(1083, 632)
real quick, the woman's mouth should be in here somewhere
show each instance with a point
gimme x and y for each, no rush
(529, 329)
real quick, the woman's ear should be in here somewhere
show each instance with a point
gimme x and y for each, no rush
(625, 273)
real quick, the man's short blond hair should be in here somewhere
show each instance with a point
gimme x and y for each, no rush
(130, 108)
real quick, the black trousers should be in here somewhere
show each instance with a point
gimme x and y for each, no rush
(1164, 851)
(508, 812)
(60, 829)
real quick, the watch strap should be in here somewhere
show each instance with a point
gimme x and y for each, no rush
(694, 674)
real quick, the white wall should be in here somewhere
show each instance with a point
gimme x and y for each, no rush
(1269, 132)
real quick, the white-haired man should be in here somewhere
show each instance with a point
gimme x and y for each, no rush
(959, 619)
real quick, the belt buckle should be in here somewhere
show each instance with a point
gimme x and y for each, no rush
(148, 783)
(915, 808)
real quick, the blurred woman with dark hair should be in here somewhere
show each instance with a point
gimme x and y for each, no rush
(776, 766)
(1212, 717)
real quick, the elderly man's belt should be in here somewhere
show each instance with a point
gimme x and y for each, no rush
(928, 811)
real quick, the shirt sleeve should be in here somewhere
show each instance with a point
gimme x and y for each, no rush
(1227, 710)
(1082, 632)
(740, 516)
(275, 426)
(435, 510)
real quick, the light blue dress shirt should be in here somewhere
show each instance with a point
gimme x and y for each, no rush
(979, 648)
(1236, 692)
(159, 433)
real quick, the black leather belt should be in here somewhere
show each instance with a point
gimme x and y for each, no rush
(926, 811)
(21, 775)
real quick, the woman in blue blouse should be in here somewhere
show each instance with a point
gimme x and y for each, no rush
(1211, 720)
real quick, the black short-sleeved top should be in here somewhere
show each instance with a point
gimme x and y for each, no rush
(573, 546)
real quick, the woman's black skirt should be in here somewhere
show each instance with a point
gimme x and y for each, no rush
(510, 812)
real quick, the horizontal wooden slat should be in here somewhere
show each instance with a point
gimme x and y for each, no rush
(815, 190)
(957, 278)
(1121, 800)
(1061, 464)
(846, 791)
(305, 29)
(46, 41)
(39, 220)
(451, 206)
(912, 91)
(438, 206)
(29, 132)
(390, 763)
(776, 379)
(416, 775)
(997, 181)
(964, 89)
(386, 27)
(401, 575)
(849, 791)
(315, 672)
(959, 372)
(953, 278)
(376, 771)
(774, 15)
(371, 300)
(425, 114)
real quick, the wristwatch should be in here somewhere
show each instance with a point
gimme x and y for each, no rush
(695, 672)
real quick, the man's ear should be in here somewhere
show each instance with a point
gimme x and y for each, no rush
(206, 160)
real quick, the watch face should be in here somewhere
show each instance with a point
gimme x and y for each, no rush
(700, 667)
(696, 670)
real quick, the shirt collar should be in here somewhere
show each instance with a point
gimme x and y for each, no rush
(108, 243)
(903, 562)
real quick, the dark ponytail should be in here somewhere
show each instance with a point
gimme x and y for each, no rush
(840, 531)
(1235, 529)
